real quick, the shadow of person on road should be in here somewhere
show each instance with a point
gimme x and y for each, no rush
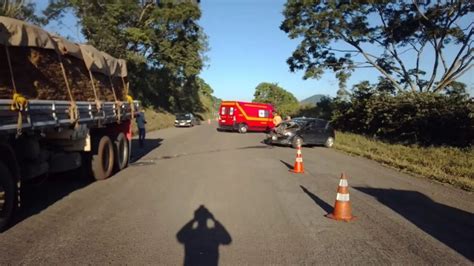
(149, 145)
(201, 241)
(452, 226)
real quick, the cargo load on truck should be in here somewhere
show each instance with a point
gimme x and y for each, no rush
(63, 107)
(41, 66)
(36, 67)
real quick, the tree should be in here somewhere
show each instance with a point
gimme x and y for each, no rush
(20, 9)
(282, 100)
(392, 27)
(424, 118)
(161, 41)
(204, 88)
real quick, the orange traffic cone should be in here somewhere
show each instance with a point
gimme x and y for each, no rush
(298, 168)
(342, 207)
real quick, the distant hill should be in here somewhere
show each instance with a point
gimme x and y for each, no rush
(313, 99)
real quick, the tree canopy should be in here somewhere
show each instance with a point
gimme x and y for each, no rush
(345, 35)
(283, 101)
(161, 41)
(20, 9)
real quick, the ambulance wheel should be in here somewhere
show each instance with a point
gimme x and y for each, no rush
(243, 128)
(103, 159)
(8, 195)
(121, 152)
(297, 141)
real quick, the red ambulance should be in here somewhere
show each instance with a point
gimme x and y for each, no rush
(244, 116)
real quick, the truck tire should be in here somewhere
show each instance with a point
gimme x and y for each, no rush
(8, 196)
(243, 128)
(103, 160)
(121, 152)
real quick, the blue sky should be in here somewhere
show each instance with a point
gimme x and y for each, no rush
(247, 47)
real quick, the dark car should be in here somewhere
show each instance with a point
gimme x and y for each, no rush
(186, 120)
(303, 131)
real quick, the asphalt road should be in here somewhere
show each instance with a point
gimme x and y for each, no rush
(261, 213)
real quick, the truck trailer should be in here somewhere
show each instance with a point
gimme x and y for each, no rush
(63, 106)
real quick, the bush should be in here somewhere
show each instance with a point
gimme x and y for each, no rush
(407, 117)
(423, 118)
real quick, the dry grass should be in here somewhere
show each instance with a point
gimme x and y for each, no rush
(444, 164)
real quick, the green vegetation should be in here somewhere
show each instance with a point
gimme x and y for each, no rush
(20, 9)
(323, 109)
(161, 40)
(155, 120)
(409, 108)
(283, 101)
(406, 117)
(313, 100)
(209, 103)
(444, 164)
(345, 35)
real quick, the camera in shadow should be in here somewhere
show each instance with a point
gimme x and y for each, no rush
(201, 238)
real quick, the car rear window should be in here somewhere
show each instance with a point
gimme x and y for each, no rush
(223, 111)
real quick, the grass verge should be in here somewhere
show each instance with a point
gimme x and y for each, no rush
(156, 120)
(444, 164)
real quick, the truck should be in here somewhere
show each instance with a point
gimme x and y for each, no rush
(245, 116)
(63, 106)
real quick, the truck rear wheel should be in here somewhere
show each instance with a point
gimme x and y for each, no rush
(121, 152)
(103, 160)
(8, 195)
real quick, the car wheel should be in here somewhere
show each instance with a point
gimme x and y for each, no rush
(297, 141)
(243, 128)
(329, 142)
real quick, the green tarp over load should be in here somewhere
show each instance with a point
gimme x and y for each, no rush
(35, 62)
